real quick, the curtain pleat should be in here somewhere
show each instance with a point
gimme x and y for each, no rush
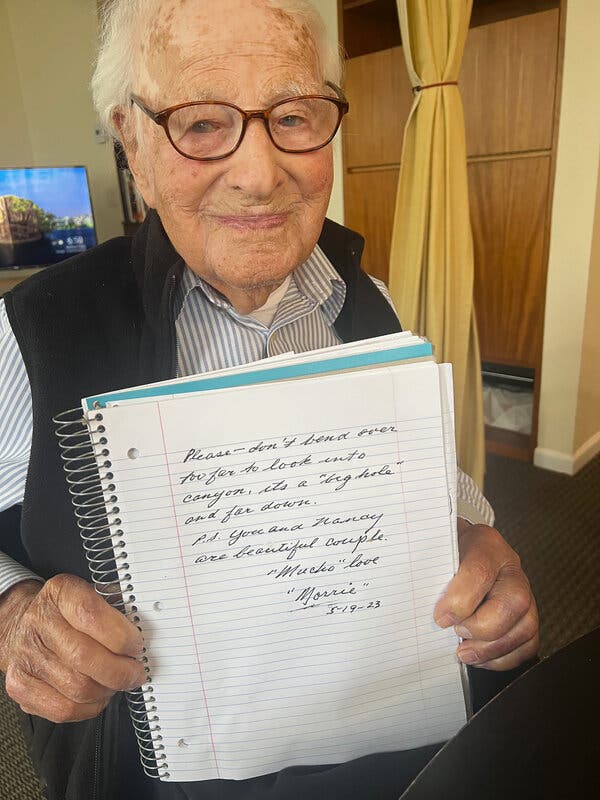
(431, 262)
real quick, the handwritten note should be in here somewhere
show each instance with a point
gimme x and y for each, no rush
(286, 544)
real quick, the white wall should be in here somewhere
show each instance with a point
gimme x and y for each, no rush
(571, 238)
(587, 424)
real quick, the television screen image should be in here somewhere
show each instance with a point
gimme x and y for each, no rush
(45, 215)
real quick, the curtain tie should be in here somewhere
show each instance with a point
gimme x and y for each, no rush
(417, 89)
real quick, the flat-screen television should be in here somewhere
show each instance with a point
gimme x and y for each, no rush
(45, 215)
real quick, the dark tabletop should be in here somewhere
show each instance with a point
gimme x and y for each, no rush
(539, 738)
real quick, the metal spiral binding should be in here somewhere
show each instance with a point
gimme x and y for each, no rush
(87, 465)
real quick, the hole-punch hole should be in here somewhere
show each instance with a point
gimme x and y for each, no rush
(183, 743)
(133, 452)
(158, 606)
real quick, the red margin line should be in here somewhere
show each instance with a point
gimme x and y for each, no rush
(212, 741)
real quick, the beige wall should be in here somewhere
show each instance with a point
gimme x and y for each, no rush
(587, 423)
(15, 143)
(570, 242)
(53, 46)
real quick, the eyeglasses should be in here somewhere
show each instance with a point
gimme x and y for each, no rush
(208, 131)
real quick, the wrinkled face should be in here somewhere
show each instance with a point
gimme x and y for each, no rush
(248, 220)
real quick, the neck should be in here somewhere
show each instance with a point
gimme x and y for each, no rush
(245, 301)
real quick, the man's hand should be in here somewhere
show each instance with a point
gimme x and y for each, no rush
(489, 601)
(65, 651)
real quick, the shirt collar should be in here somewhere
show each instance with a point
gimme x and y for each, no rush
(316, 279)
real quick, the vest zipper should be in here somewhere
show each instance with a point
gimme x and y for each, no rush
(98, 756)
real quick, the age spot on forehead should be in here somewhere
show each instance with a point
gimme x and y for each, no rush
(290, 29)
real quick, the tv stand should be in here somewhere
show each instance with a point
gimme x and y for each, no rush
(9, 278)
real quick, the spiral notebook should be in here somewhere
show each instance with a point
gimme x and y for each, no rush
(280, 533)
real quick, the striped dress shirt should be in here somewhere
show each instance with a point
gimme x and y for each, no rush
(210, 334)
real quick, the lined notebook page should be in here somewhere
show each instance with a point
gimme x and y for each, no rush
(285, 583)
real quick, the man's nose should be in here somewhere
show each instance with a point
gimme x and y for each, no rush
(254, 168)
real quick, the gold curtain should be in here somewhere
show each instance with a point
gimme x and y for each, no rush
(431, 262)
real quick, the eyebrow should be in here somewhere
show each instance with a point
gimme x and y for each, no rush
(294, 90)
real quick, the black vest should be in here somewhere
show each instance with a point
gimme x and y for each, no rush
(103, 321)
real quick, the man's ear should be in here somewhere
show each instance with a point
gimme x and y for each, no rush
(135, 154)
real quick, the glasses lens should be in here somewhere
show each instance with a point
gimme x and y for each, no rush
(205, 130)
(304, 123)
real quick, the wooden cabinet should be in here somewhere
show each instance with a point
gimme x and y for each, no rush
(510, 84)
(509, 204)
(380, 98)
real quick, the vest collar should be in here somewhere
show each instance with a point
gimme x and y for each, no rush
(155, 258)
(158, 267)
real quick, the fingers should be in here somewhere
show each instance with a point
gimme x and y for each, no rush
(37, 697)
(490, 603)
(507, 602)
(61, 672)
(480, 652)
(512, 659)
(88, 657)
(483, 554)
(89, 613)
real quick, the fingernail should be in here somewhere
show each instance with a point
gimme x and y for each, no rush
(464, 633)
(446, 620)
(468, 656)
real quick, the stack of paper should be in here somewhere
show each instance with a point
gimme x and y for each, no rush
(288, 527)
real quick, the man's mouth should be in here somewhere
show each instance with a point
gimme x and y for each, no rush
(252, 221)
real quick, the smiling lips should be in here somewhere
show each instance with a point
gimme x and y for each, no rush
(253, 221)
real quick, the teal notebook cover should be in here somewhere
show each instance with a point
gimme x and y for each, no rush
(266, 375)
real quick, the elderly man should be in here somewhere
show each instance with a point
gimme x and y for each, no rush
(226, 111)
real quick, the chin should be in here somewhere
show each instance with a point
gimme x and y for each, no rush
(250, 276)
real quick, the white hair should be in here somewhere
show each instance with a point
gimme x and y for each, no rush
(123, 23)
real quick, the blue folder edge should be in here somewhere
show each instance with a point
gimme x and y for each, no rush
(307, 369)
